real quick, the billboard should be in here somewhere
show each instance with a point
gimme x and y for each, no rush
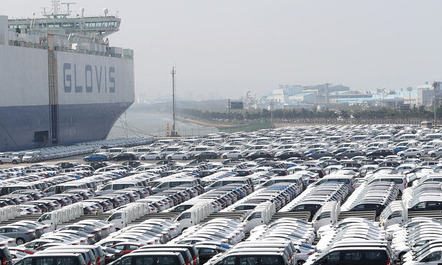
(236, 105)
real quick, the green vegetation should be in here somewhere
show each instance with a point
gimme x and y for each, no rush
(215, 114)
(252, 126)
(261, 118)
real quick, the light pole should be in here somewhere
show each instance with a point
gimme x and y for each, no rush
(409, 89)
(173, 133)
(435, 85)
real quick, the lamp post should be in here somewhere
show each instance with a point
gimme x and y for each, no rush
(409, 89)
(173, 133)
(435, 85)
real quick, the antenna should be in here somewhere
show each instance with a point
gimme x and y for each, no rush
(56, 6)
(68, 4)
(173, 133)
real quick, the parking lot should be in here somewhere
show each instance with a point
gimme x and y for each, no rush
(295, 195)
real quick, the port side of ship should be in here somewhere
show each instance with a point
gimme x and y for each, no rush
(59, 90)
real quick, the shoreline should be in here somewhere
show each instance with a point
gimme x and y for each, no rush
(220, 125)
(209, 124)
(226, 126)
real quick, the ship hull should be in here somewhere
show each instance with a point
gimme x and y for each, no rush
(28, 127)
(59, 97)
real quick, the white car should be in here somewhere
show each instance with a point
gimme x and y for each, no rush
(29, 210)
(411, 152)
(236, 154)
(4, 158)
(179, 155)
(435, 153)
(152, 156)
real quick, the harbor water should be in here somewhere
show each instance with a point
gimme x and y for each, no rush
(138, 122)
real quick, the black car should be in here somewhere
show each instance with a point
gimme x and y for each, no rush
(97, 165)
(207, 155)
(320, 153)
(259, 154)
(288, 154)
(349, 154)
(5, 256)
(132, 164)
(328, 162)
(380, 153)
(124, 156)
(392, 164)
(65, 165)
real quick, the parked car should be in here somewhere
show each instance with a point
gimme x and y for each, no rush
(152, 156)
(380, 153)
(124, 156)
(288, 154)
(259, 154)
(95, 157)
(349, 154)
(5, 256)
(21, 234)
(207, 155)
(179, 155)
(236, 154)
(5, 158)
(411, 152)
(435, 153)
(53, 259)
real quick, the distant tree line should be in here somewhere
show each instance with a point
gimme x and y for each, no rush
(292, 115)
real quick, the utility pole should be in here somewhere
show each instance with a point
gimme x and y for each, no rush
(435, 85)
(173, 133)
(228, 107)
(409, 89)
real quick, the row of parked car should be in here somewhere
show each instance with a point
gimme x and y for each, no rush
(242, 196)
(310, 142)
(58, 152)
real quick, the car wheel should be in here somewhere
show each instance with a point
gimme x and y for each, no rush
(14, 162)
(225, 157)
(239, 157)
(184, 158)
(20, 241)
(433, 155)
(101, 160)
(1, 162)
(115, 159)
(169, 158)
(142, 158)
(87, 159)
(158, 158)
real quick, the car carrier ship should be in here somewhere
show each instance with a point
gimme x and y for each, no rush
(60, 81)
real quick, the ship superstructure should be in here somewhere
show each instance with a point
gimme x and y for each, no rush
(60, 80)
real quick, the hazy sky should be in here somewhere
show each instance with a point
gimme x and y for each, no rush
(224, 48)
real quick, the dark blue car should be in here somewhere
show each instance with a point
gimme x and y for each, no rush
(95, 157)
